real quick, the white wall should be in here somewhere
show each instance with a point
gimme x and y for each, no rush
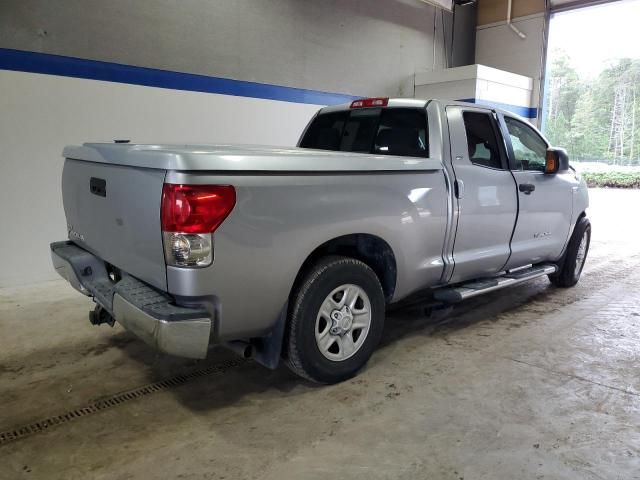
(358, 47)
(499, 47)
(362, 47)
(39, 114)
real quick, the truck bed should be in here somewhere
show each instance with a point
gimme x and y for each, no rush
(236, 158)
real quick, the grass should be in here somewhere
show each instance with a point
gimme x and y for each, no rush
(612, 179)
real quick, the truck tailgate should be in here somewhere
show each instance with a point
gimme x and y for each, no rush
(114, 212)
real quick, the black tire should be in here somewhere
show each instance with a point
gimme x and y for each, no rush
(568, 275)
(302, 353)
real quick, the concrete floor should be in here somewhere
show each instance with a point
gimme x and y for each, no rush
(532, 382)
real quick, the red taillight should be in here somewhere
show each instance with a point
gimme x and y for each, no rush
(195, 208)
(370, 102)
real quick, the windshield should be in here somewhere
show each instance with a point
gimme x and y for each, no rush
(386, 131)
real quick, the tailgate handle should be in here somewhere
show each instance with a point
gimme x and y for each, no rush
(98, 186)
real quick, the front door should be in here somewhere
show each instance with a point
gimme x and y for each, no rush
(546, 200)
(485, 193)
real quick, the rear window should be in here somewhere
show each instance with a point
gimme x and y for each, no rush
(383, 131)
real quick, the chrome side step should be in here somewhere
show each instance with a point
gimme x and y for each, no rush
(474, 288)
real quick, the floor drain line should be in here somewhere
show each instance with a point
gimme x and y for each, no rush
(40, 426)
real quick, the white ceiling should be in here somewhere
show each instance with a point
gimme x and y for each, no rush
(446, 4)
(564, 5)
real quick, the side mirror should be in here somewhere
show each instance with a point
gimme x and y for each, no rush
(556, 160)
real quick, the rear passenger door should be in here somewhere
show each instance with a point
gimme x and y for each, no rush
(485, 192)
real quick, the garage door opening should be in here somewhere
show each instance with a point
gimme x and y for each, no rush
(592, 86)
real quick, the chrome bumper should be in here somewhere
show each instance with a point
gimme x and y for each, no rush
(144, 311)
(65, 270)
(184, 338)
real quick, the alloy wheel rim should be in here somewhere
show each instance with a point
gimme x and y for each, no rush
(343, 322)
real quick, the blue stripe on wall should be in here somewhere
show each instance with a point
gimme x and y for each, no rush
(23, 61)
(526, 112)
(33, 62)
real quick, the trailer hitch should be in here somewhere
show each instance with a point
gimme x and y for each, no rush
(100, 315)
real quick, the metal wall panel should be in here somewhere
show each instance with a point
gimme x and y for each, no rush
(364, 47)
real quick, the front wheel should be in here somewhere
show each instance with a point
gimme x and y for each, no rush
(335, 320)
(575, 256)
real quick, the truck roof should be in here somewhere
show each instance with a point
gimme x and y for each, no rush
(421, 103)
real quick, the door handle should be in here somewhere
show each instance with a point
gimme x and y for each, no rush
(526, 188)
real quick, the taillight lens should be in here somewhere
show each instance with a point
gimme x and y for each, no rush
(189, 215)
(188, 249)
(195, 208)
(370, 102)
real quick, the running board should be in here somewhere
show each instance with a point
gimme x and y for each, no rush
(478, 287)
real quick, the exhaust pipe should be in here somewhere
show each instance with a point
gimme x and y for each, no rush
(244, 349)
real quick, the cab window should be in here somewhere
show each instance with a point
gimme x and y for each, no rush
(383, 131)
(482, 142)
(529, 148)
(402, 131)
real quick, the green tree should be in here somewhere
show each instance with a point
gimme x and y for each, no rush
(595, 119)
(564, 87)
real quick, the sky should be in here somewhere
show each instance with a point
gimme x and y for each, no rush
(592, 36)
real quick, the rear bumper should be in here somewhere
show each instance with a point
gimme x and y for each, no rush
(141, 309)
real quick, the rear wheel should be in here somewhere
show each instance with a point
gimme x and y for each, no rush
(575, 256)
(335, 320)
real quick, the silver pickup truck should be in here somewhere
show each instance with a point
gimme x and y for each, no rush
(296, 253)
